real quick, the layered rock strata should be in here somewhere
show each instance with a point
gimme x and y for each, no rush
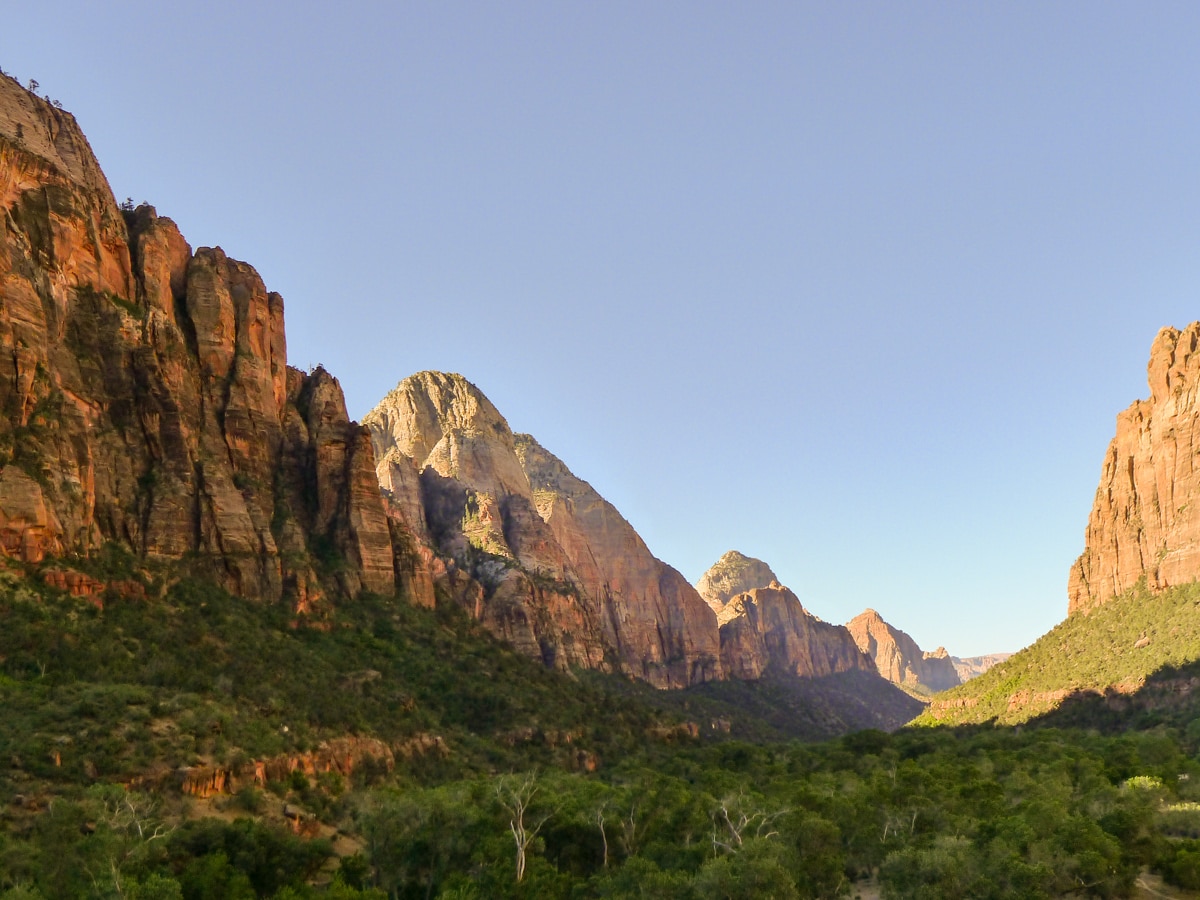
(1145, 519)
(899, 659)
(769, 629)
(145, 396)
(535, 552)
(734, 573)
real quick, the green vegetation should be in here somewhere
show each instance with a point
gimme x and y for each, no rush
(1118, 645)
(510, 780)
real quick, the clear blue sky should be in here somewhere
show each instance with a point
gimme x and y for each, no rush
(858, 289)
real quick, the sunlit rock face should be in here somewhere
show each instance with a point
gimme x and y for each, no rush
(538, 555)
(897, 656)
(768, 627)
(145, 396)
(734, 573)
(1145, 519)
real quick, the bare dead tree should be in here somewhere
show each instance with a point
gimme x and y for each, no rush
(134, 817)
(734, 821)
(598, 820)
(516, 798)
(630, 839)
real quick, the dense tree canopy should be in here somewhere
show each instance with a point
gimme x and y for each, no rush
(537, 785)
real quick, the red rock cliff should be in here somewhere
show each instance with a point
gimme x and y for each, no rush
(1145, 520)
(145, 396)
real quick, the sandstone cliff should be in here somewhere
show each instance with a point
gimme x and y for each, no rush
(768, 629)
(733, 574)
(899, 659)
(1145, 520)
(145, 396)
(536, 553)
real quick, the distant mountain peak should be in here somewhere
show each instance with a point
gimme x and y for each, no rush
(898, 658)
(734, 573)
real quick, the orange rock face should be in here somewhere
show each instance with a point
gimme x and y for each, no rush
(340, 755)
(897, 656)
(1145, 520)
(769, 628)
(145, 396)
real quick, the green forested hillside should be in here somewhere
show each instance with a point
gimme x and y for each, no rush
(508, 780)
(1115, 647)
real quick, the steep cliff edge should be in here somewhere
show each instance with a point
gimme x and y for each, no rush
(559, 571)
(1145, 520)
(899, 659)
(734, 573)
(145, 396)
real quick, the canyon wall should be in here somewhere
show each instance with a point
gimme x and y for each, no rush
(145, 396)
(1145, 519)
(764, 625)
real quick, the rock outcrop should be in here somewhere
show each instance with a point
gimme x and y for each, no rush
(145, 396)
(899, 659)
(1145, 520)
(769, 629)
(536, 554)
(341, 755)
(734, 573)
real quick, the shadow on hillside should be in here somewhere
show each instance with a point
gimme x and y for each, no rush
(814, 709)
(778, 706)
(1169, 697)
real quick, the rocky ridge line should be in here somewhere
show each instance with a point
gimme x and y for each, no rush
(769, 629)
(146, 400)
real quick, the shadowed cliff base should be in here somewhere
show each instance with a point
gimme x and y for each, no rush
(1169, 698)
(814, 709)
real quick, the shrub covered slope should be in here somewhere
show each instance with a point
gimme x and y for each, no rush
(1114, 648)
(505, 779)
